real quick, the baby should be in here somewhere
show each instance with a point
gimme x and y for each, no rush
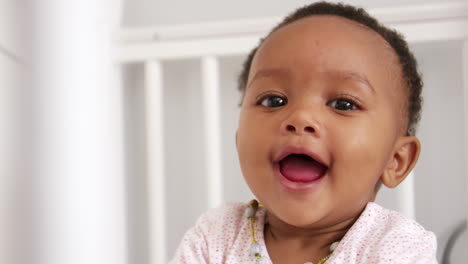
(331, 99)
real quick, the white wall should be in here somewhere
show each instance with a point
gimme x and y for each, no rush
(9, 155)
(150, 13)
(440, 173)
(14, 187)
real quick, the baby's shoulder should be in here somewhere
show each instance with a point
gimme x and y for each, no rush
(389, 235)
(214, 234)
(392, 222)
(226, 218)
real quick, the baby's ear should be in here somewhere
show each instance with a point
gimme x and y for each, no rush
(404, 158)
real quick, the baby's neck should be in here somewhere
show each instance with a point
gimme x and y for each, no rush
(290, 244)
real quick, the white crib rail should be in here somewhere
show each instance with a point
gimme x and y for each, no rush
(208, 42)
(155, 160)
(465, 94)
(405, 197)
(210, 83)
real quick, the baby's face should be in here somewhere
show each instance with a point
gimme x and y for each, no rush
(329, 89)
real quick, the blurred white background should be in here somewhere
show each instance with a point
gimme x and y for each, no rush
(106, 179)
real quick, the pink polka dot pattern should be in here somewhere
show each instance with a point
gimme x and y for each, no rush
(221, 236)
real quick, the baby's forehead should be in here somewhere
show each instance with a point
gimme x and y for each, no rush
(323, 41)
(320, 28)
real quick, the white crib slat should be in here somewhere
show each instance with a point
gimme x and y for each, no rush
(465, 104)
(155, 161)
(212, 129)
(405, 197)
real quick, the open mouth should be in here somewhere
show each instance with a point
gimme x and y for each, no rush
(301, 168)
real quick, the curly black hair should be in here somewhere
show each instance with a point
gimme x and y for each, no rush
(411, 76)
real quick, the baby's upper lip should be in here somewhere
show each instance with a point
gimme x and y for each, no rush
(289, 150)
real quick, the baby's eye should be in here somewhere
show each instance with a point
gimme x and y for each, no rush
(342, 105)
(272, 101)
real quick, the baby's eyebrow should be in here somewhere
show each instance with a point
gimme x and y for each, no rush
(270, 72)
(285, 73)
(353, 76)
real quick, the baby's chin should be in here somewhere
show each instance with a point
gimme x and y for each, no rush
(304, 215)
(295, 216)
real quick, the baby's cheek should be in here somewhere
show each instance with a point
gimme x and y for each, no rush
(361, 155)
(250, 152)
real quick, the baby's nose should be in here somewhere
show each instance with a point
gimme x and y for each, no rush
(300, 122)
(306, 129)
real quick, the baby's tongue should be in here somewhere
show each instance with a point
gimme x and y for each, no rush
(301, 168)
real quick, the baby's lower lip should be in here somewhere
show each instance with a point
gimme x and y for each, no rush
(295, 186)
